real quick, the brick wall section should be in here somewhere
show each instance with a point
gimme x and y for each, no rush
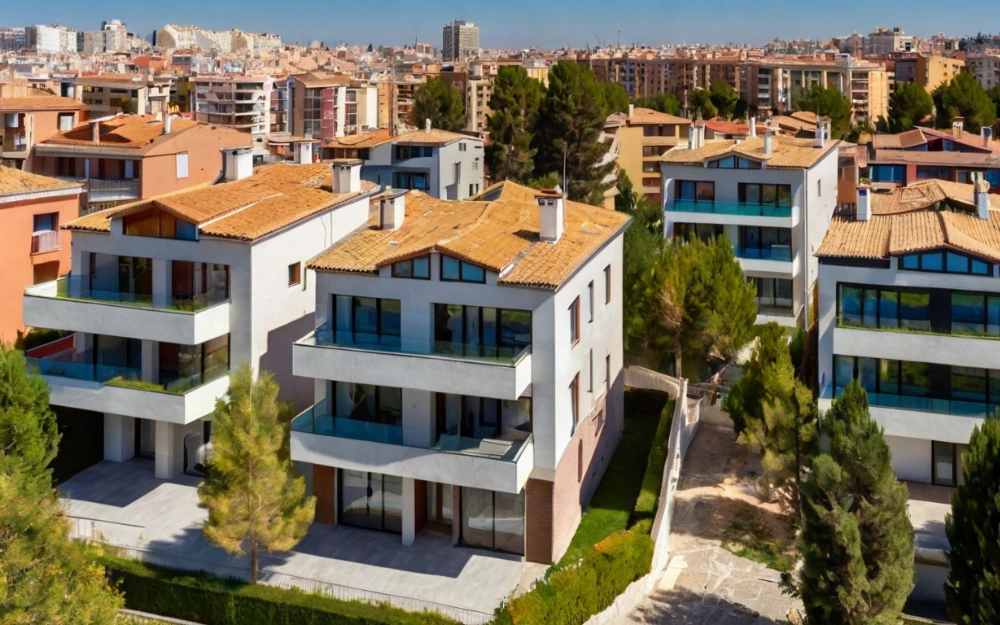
(325, 490)
(553, 509)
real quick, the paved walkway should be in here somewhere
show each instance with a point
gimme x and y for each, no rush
(123, 504)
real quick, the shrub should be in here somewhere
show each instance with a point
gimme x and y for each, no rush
(213, 601)
(649, 495)
(571, 596)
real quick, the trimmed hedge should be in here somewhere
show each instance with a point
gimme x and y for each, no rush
(213, 601)
(571, 596)
(649, 495)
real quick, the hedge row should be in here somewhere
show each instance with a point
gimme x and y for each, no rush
(204, 599)
(571, 596)
(649, 495)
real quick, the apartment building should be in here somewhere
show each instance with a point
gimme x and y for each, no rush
(41, 39)
(28, 120)
(324, 106)
(645, 136)
(133, 157)
(478, 91)
(112, 94)
(241, 101)
(927, 70)
(34, 250)
(883, 41)
(772, 197)
(896, 160)
(459, 41)
(468, 369)
(443, 164)
(167, 295)
(909, 305)
(986, 69)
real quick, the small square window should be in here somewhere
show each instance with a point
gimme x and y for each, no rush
(294, 274)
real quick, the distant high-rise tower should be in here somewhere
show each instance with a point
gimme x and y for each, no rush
(460, 40)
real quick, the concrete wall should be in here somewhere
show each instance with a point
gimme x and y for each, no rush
(440, 168)
(203, 145)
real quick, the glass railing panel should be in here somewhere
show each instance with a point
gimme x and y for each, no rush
(81, 366)
(325, 336)
(78, 288)
(730, 208)
(316, 420)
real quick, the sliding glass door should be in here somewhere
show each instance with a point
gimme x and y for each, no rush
(371, 500)
(493, 520)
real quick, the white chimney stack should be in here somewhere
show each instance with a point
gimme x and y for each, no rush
(95, 132)
(631, 110)
(820, 133)
(753, 126)
(552, 203)
(864, 211)
(691, 136)
(956, 127)
(982, 195)
(987, 134)
(166, 124)
(391, 210)
(303, 153)
(237, 163)
(427, 125)
(346, 175)
(767, 141)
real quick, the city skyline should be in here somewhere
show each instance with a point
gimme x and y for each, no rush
(503, 27)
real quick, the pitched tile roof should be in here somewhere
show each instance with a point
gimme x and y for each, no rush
(927, 215)
(370, 139)
(641, 116)
(40, 103)
(275, 196)
(14, 181)
(498, 230)
(899, 141)
(364, 140)
(122, 131)
(322, 79)
(920, 157)
(786, 152)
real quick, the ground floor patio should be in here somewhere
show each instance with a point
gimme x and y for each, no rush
(125, 505)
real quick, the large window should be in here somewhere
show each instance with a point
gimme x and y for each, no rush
(945, 262)
(480, 331)
(370, 500)
(765, 194)
(135, 279)
(156, 223)
(409, 180)
(460, 417)
(888, 173)
(184, 367)
(765, 243)
(925, 172)
(944, 463)
(196, 285)
(733, 162)
(695, 191)
(454, 270)
(366, 321)
(875, 307)
(975, 313)
(705, 232)
(405, 152)
(493, 520)
(418, 268)
(368, 403)
(773, 293)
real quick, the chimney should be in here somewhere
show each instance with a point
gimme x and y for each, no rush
(166, 124)
(427, 125)
(552, 204)
(753, 126)
(820, 133)
(864, 207)
(767, 141)
(982, 195)
(987, 134)
(631, 110)
(692, 131)
(95, 132)
(303, 153)
(956, 126)
(237, 164)
(391, 209)
(347, 175)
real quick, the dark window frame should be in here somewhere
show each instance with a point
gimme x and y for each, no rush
(901, 259)
(295, 274)
(441, 260)
(410, 261)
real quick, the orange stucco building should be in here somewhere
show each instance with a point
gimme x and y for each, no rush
(33, 249)
(24, 121)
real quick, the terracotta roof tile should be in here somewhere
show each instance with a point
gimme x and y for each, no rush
(40, 103)
(899, 141)
(786, 152)
(499, 234)
(123, 131)
(641, 116)
(14, 181)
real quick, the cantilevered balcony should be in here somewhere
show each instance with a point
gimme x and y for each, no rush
(712, 212)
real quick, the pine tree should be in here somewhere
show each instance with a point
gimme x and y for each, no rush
(856, 541)
(515, 101)
(27, 426)
(723, 97)
(829, 102)
(964, 97)
(439, 101)
(700, 104)
(251, 491)
(973, 528)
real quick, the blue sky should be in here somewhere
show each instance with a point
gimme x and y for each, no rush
(521, 23)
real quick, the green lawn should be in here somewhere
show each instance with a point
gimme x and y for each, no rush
(615, 498)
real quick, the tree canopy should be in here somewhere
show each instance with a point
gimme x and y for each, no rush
(615, 98)
(569, 122)
(827, 102)
(700, 104)
(973, 529)
(439, 101)
(515, 101)
(252, 492)
(27, 426)
(724, 98)
(661, 102)
(964, 97)
(856, 541)
(908, 105)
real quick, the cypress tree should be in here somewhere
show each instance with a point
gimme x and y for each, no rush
(856, 541)
(973, 527)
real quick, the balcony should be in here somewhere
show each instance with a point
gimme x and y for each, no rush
(113, 190)
(492, 464)
(71, 304)
(15, 142)
(418, 363)
(775, 260)
(959, 350)
(76, 380)
(48, 241)
(735, 212)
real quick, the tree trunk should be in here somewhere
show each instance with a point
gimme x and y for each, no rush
(254, 564)
(678, 372)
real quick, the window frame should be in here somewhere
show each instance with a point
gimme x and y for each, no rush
(574, 311)
(411, 262)
(607, 284)
(461, 263)
(574, 389)
(901, 260)
(591, 296)
(296, 278)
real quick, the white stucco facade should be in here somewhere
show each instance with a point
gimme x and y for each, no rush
(454, 170)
